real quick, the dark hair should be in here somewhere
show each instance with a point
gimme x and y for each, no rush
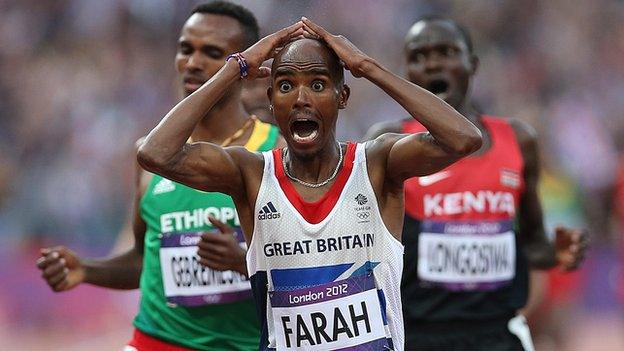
(246, 19)
(463, 31)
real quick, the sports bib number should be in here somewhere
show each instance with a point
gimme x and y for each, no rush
(337, 315)
(465, 256)
(188, 283)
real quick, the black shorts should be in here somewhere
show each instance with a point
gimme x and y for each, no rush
(453, 336)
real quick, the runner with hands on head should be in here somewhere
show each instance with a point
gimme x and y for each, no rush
(322, 218)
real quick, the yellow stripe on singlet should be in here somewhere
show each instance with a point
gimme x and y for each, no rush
(258, 136)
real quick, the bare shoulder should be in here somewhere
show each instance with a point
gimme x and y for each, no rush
(250, 163)
(381, 128)
(142, 177)
(525, 133)
(377, 155)
(240, 154)
(380, 146)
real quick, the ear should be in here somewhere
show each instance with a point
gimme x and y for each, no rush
(474, 62)
(344, 96)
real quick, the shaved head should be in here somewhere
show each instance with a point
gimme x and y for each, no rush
(450, 27)
(308, 53)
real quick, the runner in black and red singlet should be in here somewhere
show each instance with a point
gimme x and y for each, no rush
(471, 228)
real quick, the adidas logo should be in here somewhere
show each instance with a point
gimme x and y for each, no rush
(268, 211)
(164, 186)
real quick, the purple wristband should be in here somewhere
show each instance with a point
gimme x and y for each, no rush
(242, 63)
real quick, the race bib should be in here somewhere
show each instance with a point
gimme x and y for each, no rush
(343, 314)
(466, 256)
(188, 283)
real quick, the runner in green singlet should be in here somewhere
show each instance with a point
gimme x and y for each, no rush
(185, 305)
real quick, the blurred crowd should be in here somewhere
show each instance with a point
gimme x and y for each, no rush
(81, 80)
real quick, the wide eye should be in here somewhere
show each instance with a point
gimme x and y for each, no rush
(285, 86)
(185, 49)
(317, 86)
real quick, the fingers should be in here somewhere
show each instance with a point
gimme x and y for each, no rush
(285, 34)
(59, 277)
(264, 72)
(314, 28)
(292, 28)
(212, 248)
(310, 35)
(220, 262)
(63, 285)
(49, 257)
(219, 244)
(55, 274)
(223, 227)
(282, 41)
(53, 269)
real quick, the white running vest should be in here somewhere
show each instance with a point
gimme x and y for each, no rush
(332, 285)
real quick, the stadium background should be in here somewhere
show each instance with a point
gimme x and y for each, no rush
(81, 80)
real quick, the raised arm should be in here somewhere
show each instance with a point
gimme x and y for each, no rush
(450, 137)
(204, 165)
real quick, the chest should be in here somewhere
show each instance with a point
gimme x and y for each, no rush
(476, 187)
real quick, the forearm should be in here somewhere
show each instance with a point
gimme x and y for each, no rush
(450, 129)
(540, 254)
(118, 272)
(168, 138)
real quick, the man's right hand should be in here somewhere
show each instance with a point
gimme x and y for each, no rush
(267, 47)
(61, 268)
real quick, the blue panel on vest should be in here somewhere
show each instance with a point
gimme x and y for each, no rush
(299, 278)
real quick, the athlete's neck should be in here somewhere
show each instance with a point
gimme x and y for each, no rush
(316, 168)
(467, 109)
(223, 120)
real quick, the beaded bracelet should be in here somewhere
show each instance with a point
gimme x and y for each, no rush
(242, 63)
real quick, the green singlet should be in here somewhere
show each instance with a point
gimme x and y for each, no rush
(182, 302)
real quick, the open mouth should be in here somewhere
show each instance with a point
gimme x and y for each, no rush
(193, 83)
(304, 130)
(438, 87)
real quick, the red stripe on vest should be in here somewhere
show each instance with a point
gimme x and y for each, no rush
(315, 212)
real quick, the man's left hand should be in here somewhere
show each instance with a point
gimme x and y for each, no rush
(221, 251)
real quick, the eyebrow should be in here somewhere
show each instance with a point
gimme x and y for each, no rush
(286, 71)
(184, 41)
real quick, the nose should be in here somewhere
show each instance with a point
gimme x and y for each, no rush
(194, 62)
(303, 98)
(433, 62)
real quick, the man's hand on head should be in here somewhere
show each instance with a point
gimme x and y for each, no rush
(267, 47)
(352, 57)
